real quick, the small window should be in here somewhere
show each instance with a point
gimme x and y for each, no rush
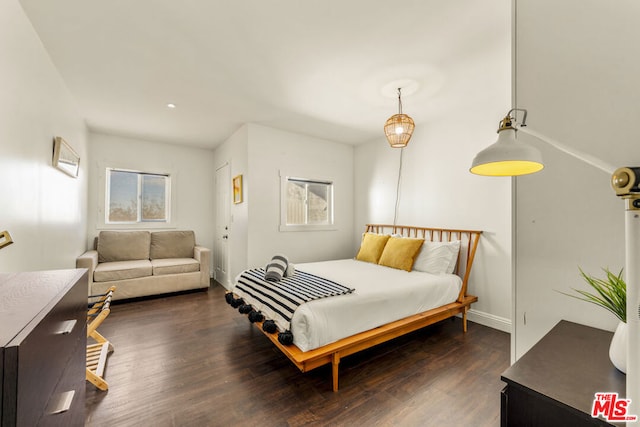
(306, 204)
(137, 197)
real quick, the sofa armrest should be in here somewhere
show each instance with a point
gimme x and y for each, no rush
(88, 260)
(203, 256)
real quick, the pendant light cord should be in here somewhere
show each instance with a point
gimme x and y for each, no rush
(395, 214)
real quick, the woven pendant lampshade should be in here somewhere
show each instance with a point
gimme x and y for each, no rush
(399, 127)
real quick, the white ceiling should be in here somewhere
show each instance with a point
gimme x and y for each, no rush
(318, 67)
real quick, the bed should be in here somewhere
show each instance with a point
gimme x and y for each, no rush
(382, 303)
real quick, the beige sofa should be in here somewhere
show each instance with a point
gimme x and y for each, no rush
(142, 263)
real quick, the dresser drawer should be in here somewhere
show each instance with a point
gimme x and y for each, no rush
(43, 355)
(66, 405)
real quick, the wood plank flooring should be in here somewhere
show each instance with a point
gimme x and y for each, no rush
(192, 360)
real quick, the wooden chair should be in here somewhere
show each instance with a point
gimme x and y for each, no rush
(97, 352)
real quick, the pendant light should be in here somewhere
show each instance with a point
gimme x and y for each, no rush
(399, 127)
(508, 156)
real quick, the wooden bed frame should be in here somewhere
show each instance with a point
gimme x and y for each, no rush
(332, 353)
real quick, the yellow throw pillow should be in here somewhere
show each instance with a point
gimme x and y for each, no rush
(400, 253)
(371, 247)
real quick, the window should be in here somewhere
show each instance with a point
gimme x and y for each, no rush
(137, 197)
(306, 204)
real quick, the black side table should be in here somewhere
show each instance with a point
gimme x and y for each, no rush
(555, 382)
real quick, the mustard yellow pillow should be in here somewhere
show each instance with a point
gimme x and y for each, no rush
(371, 247)
(400, 253)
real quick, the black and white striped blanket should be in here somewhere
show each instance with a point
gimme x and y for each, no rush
(278, 300)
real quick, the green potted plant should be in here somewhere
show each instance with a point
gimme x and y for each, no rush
(610, 294)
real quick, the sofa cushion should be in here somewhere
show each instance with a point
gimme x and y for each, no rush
(172, 244)
(121, 270)
(174, 266)
(123, 245)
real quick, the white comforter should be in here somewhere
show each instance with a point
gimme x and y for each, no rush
(381, 295)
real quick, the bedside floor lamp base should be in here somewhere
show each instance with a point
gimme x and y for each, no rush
(625, 182)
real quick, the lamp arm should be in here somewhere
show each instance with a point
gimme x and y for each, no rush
(587, 158)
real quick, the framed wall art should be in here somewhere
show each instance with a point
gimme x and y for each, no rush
(65, 158)
(237, 189)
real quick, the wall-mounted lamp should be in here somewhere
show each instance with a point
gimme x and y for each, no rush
(508, 156)
(399, 127)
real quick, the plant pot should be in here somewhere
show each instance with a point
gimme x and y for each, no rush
(618, 348)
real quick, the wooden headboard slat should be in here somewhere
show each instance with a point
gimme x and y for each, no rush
(469, 240)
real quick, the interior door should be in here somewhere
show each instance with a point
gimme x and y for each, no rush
(223, 204)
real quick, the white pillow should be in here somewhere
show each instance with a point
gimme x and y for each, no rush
(437, 257)
(291, 270)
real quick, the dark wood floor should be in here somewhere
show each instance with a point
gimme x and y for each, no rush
(192, 360)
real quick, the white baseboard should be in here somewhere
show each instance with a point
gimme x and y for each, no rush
(490, 320)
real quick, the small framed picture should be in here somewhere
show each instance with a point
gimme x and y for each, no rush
(237, 189)
(64, 158)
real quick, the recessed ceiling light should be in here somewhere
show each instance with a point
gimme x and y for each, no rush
(171, 105)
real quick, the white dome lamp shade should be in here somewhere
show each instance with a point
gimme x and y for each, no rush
(508, 156)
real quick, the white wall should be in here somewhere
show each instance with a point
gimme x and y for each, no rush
(44, 210)
(577, 76)
(437, 190)
(272, 151)
(192, 171)
(259, 153)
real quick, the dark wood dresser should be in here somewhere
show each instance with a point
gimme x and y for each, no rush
(555, 382)
(42, 348)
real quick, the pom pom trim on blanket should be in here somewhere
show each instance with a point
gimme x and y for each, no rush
(277, 301)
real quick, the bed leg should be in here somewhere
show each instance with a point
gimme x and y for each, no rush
(335, 361)
(464, 319)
